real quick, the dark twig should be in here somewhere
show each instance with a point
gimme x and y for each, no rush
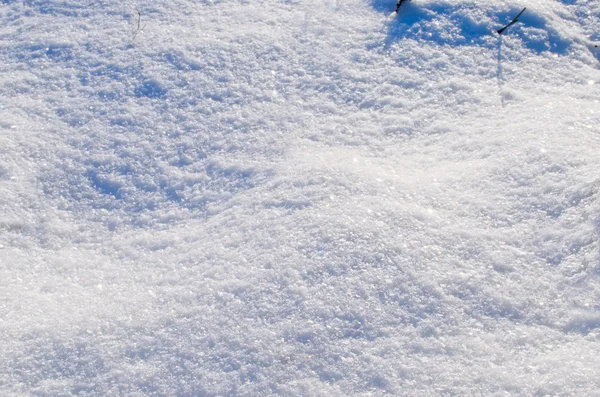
(398, 5)
(515, 20)
(139, 25)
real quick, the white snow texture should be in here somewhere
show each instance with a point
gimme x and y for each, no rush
(299, 198)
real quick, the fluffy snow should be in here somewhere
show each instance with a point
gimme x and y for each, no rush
(286, 198)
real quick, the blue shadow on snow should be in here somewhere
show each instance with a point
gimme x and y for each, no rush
(456, 24)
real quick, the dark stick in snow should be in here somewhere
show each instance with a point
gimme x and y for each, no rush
(398, 5)
(516, 19)
(139, 25)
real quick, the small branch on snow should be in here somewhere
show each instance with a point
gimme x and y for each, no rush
(515, 20)
(139, 25)
(398, 5)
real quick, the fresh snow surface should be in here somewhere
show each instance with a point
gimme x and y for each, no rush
(299, 198)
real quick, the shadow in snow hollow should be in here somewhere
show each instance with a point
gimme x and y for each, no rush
(458, 24)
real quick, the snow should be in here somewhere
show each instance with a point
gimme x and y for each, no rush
(299, 198)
